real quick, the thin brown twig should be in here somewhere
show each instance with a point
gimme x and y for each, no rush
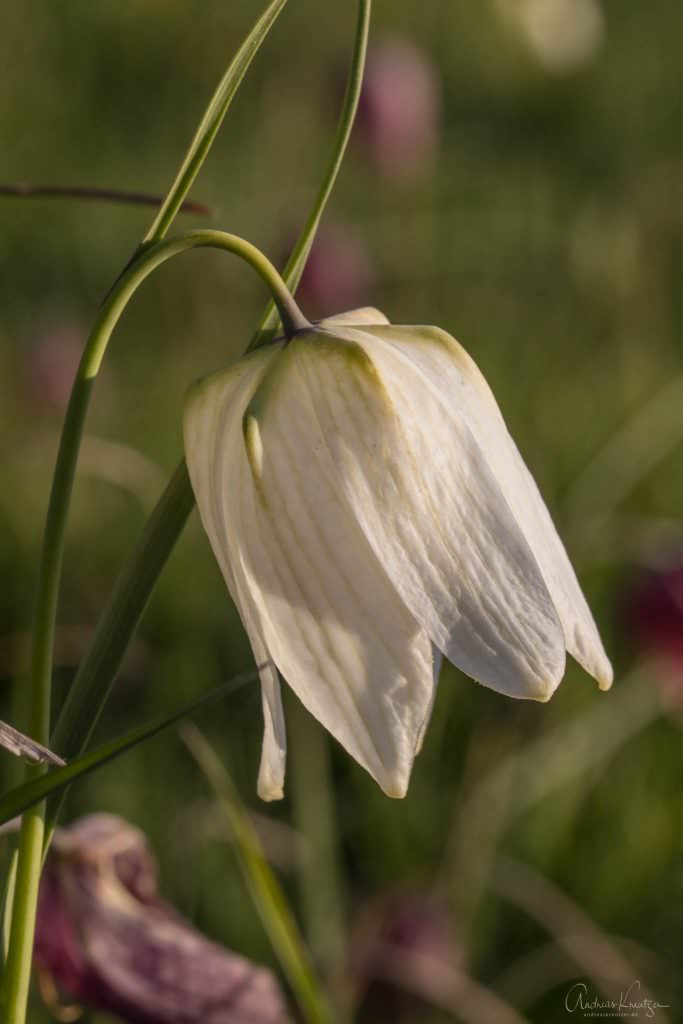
(29, 190)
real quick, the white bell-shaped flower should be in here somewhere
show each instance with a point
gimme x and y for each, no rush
(369, 511)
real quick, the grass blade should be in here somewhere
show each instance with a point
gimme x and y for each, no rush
(93, 681)
(211, 122)
(8, 904)
(268, 897)
(32, 792)
(297, 260)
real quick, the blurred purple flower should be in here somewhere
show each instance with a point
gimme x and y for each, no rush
(338, 273)
(399, 113)
(654, 617)
(50, 364)
(404, 934)
(107, 940)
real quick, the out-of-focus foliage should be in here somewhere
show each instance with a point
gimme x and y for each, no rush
(543, 229)
(105, 936)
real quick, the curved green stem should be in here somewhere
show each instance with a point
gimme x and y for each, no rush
(292, 318)
(40, 680)
(95, 676)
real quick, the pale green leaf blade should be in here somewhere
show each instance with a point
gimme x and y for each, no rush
(8, 905)
(141, 569)
(297, 260)
(17, 800)
(266, 892)
(211, 122)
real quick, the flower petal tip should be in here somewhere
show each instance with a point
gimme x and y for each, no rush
(605, 675)
(395, 788)
(600, 667)
(541, 690)
(605, 679)
(269, 791)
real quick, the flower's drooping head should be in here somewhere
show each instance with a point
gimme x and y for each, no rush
(369, 510)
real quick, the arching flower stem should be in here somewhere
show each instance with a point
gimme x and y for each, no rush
(49, 575)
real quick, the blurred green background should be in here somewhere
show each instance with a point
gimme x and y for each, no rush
(544, 230)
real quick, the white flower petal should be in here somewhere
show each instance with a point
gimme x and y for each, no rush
(434, 513)
(355, 317)
(271, 776)
(464, 391)
(437, 661)
(332, 620)
(213, 421)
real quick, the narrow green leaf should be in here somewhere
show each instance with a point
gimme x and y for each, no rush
(297, 261)
(211, 122)
(8, 904)
(312, 797)
(17, 800)
(96, 673)
(266, 892)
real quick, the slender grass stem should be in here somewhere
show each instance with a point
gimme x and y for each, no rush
(268, 898)
(140, 571)
(210, 123)
(267, 325)
(314, 817)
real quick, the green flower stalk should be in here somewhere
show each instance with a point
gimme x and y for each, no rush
(32, 837)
